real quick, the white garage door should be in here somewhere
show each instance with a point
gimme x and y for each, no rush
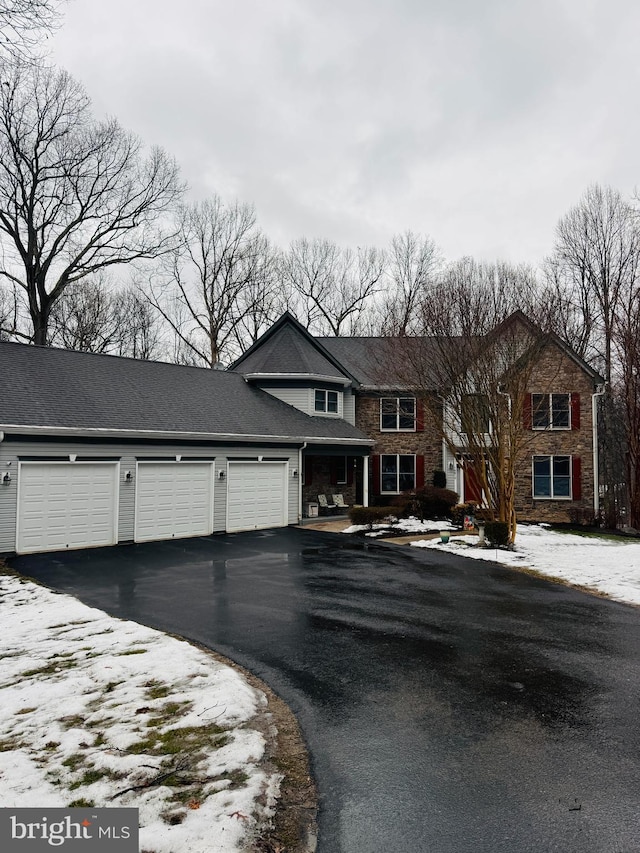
(66, 505)
(256, 495)
(173, 500)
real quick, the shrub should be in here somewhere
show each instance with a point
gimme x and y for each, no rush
(439, 479)
(430, 502)
(368, 514)
(497, 532)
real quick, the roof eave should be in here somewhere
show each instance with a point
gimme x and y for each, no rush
(312, 377)
(175, 435)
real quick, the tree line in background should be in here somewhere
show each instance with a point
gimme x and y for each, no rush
(82, 198)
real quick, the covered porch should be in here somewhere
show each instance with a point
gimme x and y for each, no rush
(334, 470)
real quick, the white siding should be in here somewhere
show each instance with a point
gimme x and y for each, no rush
(127, 455)
(296, 397)
(349, 407)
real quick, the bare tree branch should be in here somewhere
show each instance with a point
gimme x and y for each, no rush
(23, 25)
(76, 196)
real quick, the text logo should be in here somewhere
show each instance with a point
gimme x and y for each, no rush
(72, 830)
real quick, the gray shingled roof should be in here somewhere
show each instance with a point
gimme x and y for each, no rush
(388, 362)
(46, 387)
(287, 351)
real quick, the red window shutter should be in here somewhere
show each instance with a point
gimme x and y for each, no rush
(351, 463)
(419, 472)
(576, 478)
(419, 416)
(375, 474)
(575, 411)
(527, 421)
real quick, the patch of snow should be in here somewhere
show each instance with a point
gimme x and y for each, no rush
(611, 566)
(79, 688)
(402, 527)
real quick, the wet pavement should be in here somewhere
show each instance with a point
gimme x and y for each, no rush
(449, 706)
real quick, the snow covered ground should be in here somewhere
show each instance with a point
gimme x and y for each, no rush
(611, 566)
(97, 711)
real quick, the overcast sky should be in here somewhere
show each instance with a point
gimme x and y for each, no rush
(478, 122)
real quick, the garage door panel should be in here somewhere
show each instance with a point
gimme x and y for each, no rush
(257, 495)
(173, 500)
(65, 505)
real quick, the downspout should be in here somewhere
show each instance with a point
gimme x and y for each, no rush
(300, 481)
(600, 389)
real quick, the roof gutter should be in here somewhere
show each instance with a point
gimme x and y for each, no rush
(313, 377)
(600, 390)
(94, 432)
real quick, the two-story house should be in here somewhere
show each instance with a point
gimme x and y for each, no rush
(364, 381)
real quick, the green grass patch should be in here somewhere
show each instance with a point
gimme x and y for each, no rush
(26, 711)
(133, 652)
(81, 804)
(55, 665)
(10, 744)
(74, 761)
(237, 778)
(74, 721)
(592, 534)
(89, 777)
(174, 741)
(156, 690)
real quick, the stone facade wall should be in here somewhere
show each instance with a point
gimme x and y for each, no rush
(319, 473)
(424, 442)
(556, 372)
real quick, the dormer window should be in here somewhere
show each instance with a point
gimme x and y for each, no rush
(326, 401)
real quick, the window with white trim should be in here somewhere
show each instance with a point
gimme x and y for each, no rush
(326, 401)
(552, 477)
(551, 411)
(397, 473)
(398, 414)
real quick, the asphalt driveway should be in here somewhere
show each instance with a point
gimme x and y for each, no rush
(449, 705)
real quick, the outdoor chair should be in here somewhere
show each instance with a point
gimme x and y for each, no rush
(338, 502)
(325, 507)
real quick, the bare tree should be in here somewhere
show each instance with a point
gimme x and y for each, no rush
(596, 260)
(76, 195)
(329, 287)
(23, 24)
(138, 324)
(214, 280)
(83, 318)
(626, 388)
(472, 365)
(414, 262)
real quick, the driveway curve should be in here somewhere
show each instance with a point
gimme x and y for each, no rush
(449, 705)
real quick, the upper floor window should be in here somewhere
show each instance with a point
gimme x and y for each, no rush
(551, 411)
(474, 414)
(326, 401)
(398, 413)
